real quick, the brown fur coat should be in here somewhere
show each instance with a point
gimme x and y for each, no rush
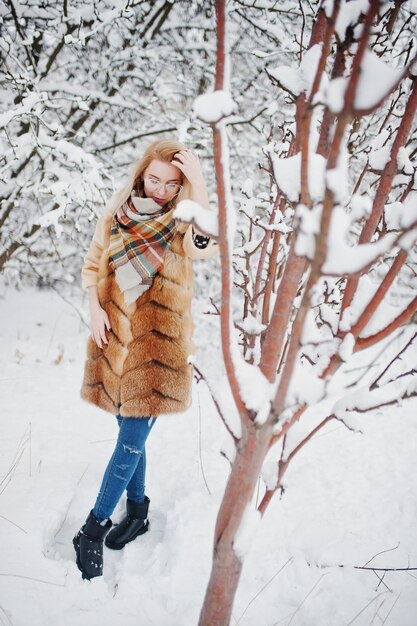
(144, 369)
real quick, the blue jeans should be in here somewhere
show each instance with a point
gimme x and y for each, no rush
(126, 468)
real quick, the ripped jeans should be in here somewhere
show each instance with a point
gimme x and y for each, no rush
(126, 468)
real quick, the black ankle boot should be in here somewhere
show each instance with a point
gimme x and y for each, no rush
(134, 523)
(88, 544)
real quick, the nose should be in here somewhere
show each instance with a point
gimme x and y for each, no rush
(161, 189)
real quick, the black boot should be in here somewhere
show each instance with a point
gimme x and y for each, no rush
(88, 544)
(133, 524)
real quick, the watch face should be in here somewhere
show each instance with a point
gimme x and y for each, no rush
(200, 241)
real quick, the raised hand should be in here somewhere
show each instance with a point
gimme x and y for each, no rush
(190, 166)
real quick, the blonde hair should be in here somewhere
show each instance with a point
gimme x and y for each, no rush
(161, 150)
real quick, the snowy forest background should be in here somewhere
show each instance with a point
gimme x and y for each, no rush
(85, 86)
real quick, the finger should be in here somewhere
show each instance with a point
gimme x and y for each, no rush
(103, 336)
(185, 154)
(97, 340)
(178, 164)
(107, 322)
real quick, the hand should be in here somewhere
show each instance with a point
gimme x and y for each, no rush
(190, 166)
(99, 321)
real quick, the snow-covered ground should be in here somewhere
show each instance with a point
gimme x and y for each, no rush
(351, 499)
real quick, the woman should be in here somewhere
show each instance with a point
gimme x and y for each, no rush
(139, 277)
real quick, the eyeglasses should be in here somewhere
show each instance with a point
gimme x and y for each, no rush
(155, 184)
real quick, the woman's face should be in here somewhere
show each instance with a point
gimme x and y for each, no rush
(161, 181)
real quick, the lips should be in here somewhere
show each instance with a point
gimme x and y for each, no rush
(158, 200)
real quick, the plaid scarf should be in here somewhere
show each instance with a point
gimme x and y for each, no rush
(140, 234)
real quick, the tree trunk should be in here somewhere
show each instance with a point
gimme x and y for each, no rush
(227, 566)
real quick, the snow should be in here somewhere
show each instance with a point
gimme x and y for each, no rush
(305, 387)
(408, 240)
(379, 158)
(212, 107)
(334, 510)
(229, 201)
(403, 161)
(393, 303)
(349, 13)
(402, 215)
(309, 226)
(79, 91)
(376, 80)
(360, 206)
(246, 531)
(346, 347)
(289, 78)
(252, 326)
(362, 399)
(51, 218)
(66, 149)
(205, 219)
(334, 94)
(28, 105)
(343, 258)
(299, 79)
(254, 387)
(380, 140)
(287, 171)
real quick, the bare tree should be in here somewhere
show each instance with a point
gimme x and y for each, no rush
(328, 269)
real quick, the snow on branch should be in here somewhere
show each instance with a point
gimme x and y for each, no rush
(343, 258)
(191, 211)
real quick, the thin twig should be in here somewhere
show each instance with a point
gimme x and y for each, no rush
(216, 404)
(265, 586)
(14, 524)
(37, 580)
(199, 444)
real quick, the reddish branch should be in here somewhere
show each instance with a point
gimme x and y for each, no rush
(403, 318)
(384, 188)
(226, 279)
(324, 29)
(283, 464)
(270, 278)
(272, 348)
(370, 308)
(321, 239)
(329, 117)
(380, 294)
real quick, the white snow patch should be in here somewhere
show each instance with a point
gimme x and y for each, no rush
(403, 160)
(346, 347)
(305, 387)
(252, 326)
(334, 94)
(343, 258)
(309, 226)
(191, 211)
(287, 172)
(379, 158)
(212, 107)
(299, 79)
(376, 81)
(349, 13)
(246, 532)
